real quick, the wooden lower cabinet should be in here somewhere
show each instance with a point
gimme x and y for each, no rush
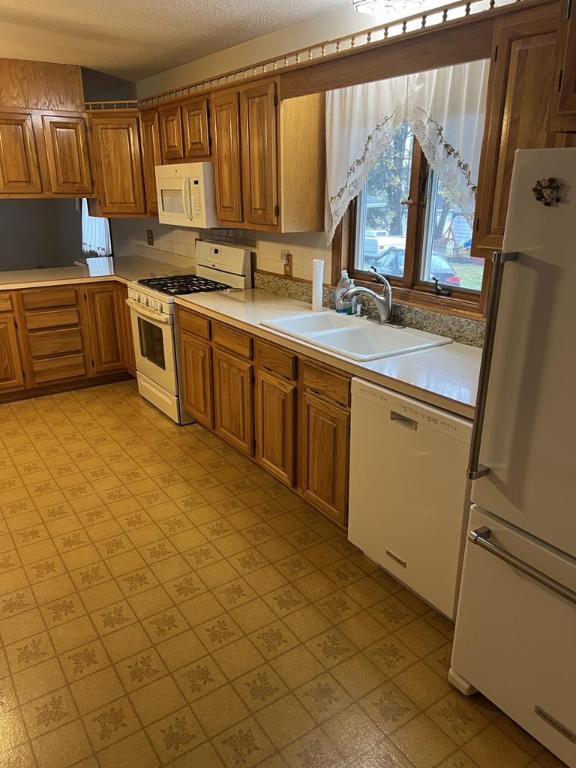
(196, 369)
(234, 400)
(323, 447)
(11, 373)
(106, 323)
(275, 416)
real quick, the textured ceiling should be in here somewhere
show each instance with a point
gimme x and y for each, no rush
(138, 38)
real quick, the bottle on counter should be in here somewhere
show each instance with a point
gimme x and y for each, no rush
(344, 306)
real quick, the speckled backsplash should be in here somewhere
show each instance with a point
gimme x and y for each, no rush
(460, 329)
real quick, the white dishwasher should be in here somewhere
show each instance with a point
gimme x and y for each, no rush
(409, 495)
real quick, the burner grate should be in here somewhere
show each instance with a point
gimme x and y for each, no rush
(178, 285)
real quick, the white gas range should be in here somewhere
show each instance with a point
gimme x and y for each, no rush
(152, 304)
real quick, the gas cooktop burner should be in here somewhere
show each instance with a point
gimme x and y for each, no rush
(178, 285)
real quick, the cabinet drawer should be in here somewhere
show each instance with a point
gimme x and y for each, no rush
(5, 302)
(276, 360)
(48, 298)
(50, 343)
(59, 368)
(327, 383)
(233, 340)
(194, 324)
(58, 318)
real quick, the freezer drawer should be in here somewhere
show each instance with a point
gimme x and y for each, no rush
(515, 635)
(408, 490)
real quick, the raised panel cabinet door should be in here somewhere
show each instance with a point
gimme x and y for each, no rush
(259, 154)
(151, 156)
(197, 379)
(171, 133)
(324, 454)
(227, 160)
(105, 318)
(11, 373)
(567, 54)
(67, 154)
(118, 164)
(127, 336)
(19, 170)
(195, 120)
(233, 401)
(520, 95)
(275, 427)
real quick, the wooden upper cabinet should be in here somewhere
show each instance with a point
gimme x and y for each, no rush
(259, 155)
(195, 120)
(227, 160)
(565, 117)
(520, 99)
(151, 156)
(171, 133)
(117, 164)
(11, 373)
(19, 171)
(67, 154)
(106, 322)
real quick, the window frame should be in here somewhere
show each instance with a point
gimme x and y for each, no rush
(410, 288)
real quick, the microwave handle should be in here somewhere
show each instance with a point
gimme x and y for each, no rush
(186, 197)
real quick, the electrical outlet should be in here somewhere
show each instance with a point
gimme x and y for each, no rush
(150, 236)
(286, 259)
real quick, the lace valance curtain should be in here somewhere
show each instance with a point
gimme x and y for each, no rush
(444, 109)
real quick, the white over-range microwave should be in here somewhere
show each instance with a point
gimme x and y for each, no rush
(186, 195)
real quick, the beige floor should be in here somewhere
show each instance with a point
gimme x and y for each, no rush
(163, 601)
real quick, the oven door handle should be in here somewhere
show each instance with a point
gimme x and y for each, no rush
(139, 309)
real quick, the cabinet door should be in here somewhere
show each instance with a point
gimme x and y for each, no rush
(259, 156)
(233, 401)
(171, 133)
(11, 374)
(19, 172)
(67, 154)
(324, 451)
(117, 164)
(106, 319)
(196, 370)
(275, 432)
(127, 337)
(196, 131)
(567, 55)
(520, 95)
(151, 156)
(227, 163)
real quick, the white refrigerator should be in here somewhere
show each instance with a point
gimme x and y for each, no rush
(515, 638)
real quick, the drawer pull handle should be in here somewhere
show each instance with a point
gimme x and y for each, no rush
(404, 420)
(481, 537)
(395, 557)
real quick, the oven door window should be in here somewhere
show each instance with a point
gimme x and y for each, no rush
(151, 342)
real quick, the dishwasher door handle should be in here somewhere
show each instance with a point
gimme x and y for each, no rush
(406, 421)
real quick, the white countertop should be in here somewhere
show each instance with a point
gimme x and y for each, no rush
(126, 270)
(445, 376)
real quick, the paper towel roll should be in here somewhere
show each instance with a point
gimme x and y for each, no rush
(317, 284)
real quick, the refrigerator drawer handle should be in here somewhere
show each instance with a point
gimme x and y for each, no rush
(499, 260)
(481, 537)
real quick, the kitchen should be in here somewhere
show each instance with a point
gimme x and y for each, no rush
(240, 528)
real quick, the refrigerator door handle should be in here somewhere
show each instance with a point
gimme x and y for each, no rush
(481, 537)
(499, 260)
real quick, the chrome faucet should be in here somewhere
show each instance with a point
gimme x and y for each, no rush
(383, 302)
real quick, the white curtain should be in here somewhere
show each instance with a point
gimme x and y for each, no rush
(444, 109)
(96, 239)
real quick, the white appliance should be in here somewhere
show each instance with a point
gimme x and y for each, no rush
(515, 635)
(408, 490)
(152, 312)
(186, 195)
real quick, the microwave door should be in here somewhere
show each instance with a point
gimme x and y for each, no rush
(187, 198)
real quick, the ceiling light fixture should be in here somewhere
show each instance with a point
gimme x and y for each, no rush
(386, 8)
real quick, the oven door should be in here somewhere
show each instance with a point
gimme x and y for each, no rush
(153, 334)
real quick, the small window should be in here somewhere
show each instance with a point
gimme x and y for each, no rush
(409, 227)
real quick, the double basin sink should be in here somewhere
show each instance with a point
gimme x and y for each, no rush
(353, 337)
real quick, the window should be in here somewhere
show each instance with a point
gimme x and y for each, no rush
(409, 227)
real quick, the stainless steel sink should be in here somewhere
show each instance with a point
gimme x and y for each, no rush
(354, 337)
